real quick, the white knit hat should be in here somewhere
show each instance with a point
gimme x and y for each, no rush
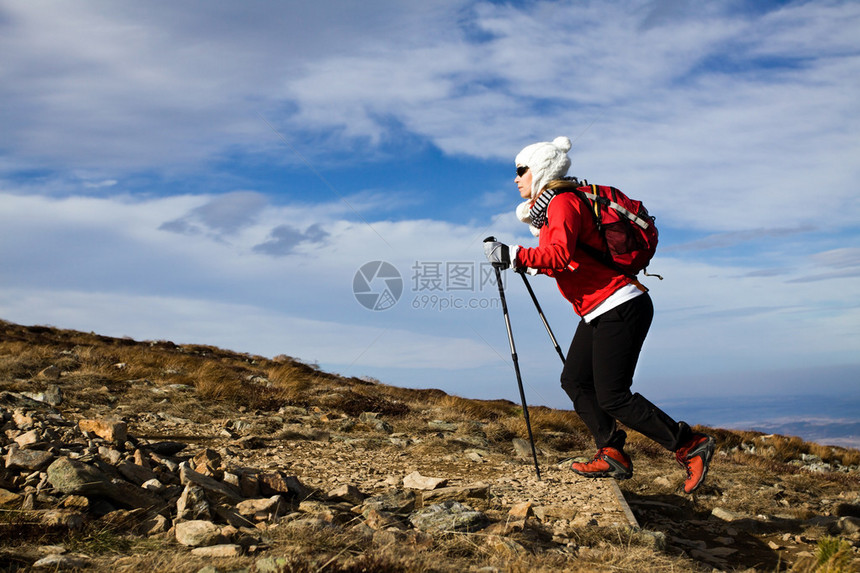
(546, 160)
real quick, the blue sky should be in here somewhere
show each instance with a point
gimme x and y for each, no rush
(217, 172)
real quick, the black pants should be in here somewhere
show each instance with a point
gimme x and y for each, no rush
(598, 374)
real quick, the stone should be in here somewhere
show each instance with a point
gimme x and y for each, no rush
(548, 512)
(458, 493)
(219, 490)
(61, 517)
(78, 478)
(197, 533)
(726, 515)
(442, 426)
(153, 525)
(166, 448)
(381, 519)
(135, 473)
(28, 439)
(110, 455)
(394, 502)
(133, 496)
(77, 502)
(249, 443)
(347, 492)
(722, 551)
(655, 540)
(22, 420)
(523, 449)
(9, 498)
(141, 459)
(249, 484)
(208, 462)
(124, 519)
(448, 516)
(521, 511)
(192, 504)
(224, 550)
(115, 431)
(416, 481)
(848, 525)
(504, 545)
(27, 460)
(61, 562)
(154, 485)
(272, 483)
(318, 509)
(261, 509)
(230, 515)
(53, 395)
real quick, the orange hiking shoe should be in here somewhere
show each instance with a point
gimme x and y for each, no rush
(607, 462)
(695, 457)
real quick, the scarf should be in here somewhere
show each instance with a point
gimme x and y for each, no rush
(534, 212)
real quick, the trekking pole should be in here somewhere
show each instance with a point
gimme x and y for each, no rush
(543, 318)
(516, 363)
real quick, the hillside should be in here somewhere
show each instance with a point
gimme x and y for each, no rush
(128, 455)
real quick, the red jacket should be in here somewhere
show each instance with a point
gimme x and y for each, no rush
(582, 280)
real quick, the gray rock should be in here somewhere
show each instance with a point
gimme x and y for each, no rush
(393, 502)
(198, 533)
(448, 516)
(78, 478)
(848, 525)
(726, 515)
(53, 395)
(61, 562)
(75, 477)
(442, 425)
(29, 460)
(523, 449)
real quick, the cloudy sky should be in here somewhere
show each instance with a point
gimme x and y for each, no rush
(219, 172)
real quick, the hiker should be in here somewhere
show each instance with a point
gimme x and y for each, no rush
(615, 311)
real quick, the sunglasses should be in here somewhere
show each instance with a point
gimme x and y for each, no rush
(522, 171)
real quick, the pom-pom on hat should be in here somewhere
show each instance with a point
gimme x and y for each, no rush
(546, 160)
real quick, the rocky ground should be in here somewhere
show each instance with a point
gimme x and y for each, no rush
(105, 469)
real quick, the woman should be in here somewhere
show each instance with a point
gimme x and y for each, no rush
(616, 313)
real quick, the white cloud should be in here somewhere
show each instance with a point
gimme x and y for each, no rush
(104, 265)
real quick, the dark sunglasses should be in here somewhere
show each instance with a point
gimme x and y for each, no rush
(522, 171)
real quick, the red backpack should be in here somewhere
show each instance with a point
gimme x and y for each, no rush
(628, 231)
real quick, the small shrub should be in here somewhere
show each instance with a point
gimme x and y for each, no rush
(833, 555)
